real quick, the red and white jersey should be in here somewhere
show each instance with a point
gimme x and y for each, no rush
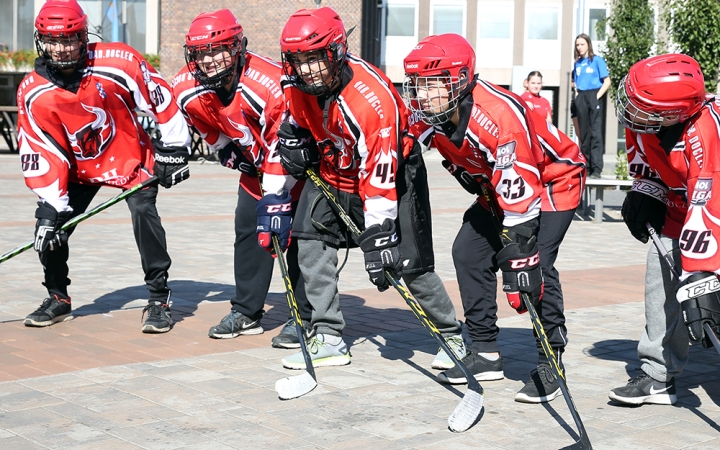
(365, 129)
(648, 160)
(250, 119)
(529, 163)
(85, 130)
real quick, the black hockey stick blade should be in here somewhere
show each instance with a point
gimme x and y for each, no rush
(77, 219)
(467, 412)
(713, 337)
(296, 386)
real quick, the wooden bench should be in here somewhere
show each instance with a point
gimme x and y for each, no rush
(600, 185)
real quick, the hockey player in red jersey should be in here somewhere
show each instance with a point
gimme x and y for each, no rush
(348, 118)
(489, 137)
(233, 98)
(78, 131)
(673, 137)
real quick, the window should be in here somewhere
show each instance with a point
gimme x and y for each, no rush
(400, 20)
(595, 17)
(17, 25)
(542, 23)
(495, 22)
(448, 17)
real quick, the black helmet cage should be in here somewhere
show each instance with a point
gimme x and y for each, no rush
(224, 73)
(334, 58)
(63, 39)
(457, 89)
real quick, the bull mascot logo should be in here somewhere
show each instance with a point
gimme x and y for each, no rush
(92, 139)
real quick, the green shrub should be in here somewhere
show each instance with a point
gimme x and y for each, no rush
(621, 167)
(153, 59)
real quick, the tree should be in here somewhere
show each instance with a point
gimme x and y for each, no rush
(693, 28)
(631, 37)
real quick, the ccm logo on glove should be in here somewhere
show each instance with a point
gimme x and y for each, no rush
(525, 262)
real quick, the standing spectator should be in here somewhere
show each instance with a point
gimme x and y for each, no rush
(78, 131)
(590, 77)
(533, 98)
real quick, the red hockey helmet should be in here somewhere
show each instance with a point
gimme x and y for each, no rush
(61, 24)
(215, 48)
(657, 88)
(314, 45)
(437, 73)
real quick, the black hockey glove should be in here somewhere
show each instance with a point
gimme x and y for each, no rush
(380, 245)
(233, 157)
(467, 181)
(48, 234)
(298, 150)
(645, 203)
(700, 303)
(519, 261)
(274, 216)
(171, 164)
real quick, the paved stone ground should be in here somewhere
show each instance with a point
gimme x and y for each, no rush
(97, 381)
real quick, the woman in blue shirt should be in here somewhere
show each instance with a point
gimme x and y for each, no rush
(591, 81)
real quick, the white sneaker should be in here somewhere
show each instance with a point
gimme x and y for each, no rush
(325, 350)
(442, 361)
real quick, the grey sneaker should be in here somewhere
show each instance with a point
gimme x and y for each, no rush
(644, 389)
(235, 324)
(457, 344)
(325, 350)
(52, 310)
(159, 318)
(287, 338)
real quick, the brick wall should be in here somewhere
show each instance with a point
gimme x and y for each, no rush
(262, 22)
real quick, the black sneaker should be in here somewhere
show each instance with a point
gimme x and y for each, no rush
(542, 387)
(287, 338)
(159, 318)
(481, 368)
(52, 310)
(644, 389)
(235, 324)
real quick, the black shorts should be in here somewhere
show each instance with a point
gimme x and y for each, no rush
(315, 218)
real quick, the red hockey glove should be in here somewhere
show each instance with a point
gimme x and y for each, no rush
(274, 217)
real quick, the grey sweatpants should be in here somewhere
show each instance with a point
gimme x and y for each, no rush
(663, 347)
(319, 264)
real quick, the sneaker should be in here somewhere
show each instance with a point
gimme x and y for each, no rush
(159, 318)
(52, 310)
(481, 368)
(325, 350)
(596, 176)
(287, 338)
(442, 360)
(542, 386)
(644, 389)
(235, 324)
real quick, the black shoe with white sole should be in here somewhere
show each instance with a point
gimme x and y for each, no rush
(644, 389)
(481, 368)
(287, 338)
(52, 310)
(159, 318)
(234, 325)
(542, 387)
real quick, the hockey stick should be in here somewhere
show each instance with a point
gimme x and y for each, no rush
(671, 264)
(466, 413)
(298, 385)
(584, 441)
(77, 219)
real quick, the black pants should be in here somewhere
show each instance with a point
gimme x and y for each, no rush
(149, 237)
(589, 114)
(474, 255)
(254, 265)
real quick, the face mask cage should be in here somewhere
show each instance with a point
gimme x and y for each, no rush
(316, 72)
(218, 71)
(65, 59)
(631, 117)
(434, 99)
